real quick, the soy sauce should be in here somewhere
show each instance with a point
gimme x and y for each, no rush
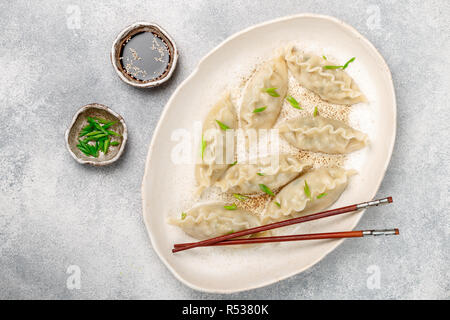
(145, 56)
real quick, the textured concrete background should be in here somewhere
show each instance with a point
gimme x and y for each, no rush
(55, 213)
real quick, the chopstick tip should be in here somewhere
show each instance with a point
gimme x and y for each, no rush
(397, 232)
(390, 200)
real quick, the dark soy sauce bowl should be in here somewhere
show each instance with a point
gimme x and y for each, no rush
(127, 34)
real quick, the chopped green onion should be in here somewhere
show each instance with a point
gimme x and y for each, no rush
(293, 102)
(260, 174)
(183, 215)
(230, 232)
(257, 110)
(101, 120)
(321, 195)
(83, 133)
(316, 111)
(272, 92)
(86, 148)
(222, 126)
(233, 164)
(332, 67)
(96, 137)
(348, 62)
(325, 58)
(109, 124)
(87, 129)
(83, 149)
(85, 152)
(94, 133)
(240, 196)
(113, 133)
(339, 67)
(266, 189)
(96, 149)
(83, 143)
(96, 125)
(231, 207)
(106, 146)
(307, 191)
(277, 203)
(98, 133)
(92, 149)
(203, 147)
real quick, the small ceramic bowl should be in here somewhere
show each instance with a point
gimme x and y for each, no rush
(80, 120)
(131, 31)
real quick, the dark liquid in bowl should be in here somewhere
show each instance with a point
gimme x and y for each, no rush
(145, 56)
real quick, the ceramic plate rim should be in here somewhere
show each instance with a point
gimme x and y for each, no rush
(194, 72)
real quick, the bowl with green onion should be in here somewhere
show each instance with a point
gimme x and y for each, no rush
(96, 136)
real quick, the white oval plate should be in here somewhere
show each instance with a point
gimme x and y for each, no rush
(167, 187)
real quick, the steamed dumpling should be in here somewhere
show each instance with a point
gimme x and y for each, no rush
(272, 74)
(210, 220)
(325, 187)
(245, 178)
(333, 85)
(321, 134)
(217, 154)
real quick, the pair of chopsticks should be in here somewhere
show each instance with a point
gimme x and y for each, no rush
(229, 239)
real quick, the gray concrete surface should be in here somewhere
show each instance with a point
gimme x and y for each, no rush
(54, 213)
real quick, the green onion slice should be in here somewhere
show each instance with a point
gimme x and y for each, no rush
(321, 195)
(231, 207)
(307, 191)
(348, 62)
(106, 146)
(109, 124)
(266, 189)
(101, 120)
(332, 67)
(339, 67)
(257, 110)
(272, 92)
(222, 125)
(203, 146)
(316, 111)
(113, 133)
(240, 196)
(293, 102)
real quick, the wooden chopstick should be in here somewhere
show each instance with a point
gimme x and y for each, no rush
(299, 237)
(284, 223)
